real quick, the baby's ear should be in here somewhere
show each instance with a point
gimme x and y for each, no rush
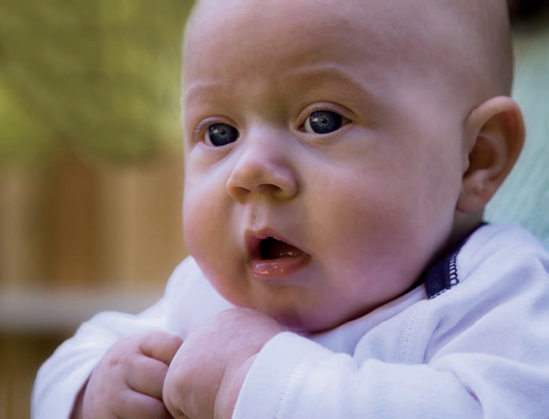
(495, 136)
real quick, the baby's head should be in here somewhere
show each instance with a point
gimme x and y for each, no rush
(335, 148)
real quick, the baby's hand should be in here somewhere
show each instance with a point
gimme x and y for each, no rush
(128, 381)
(207, 373)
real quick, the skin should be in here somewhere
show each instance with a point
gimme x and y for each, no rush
(428, 135)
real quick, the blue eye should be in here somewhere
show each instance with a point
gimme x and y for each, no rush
(323, 122)
(221, 134)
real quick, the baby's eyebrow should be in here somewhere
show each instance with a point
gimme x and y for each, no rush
(197, 88)
(322, 72)
(311, 78)
(305, 78)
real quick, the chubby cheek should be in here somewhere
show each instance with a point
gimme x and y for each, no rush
(195, 213)
(207, 231)
(203, 221)
(375, 236)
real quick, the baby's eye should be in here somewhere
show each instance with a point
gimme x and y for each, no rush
(221, 134)
(323, 122)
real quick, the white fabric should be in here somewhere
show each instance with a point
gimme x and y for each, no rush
(479, 350)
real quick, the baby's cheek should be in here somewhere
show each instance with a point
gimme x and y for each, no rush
(200, 213)
(192, 225)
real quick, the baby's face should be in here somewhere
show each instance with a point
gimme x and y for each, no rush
(322, 169)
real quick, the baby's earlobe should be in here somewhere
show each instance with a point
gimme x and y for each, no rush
(476, 192)
(496, 136)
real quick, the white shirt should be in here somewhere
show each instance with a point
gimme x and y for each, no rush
(471, 342)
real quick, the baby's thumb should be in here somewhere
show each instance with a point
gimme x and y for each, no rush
(160, 345)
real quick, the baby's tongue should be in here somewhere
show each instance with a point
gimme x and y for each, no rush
(277, 249)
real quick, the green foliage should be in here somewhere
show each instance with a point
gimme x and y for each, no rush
(23, 138)
(101, 75)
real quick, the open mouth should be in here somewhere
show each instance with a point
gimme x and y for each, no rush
(272, 258)
(271, 248)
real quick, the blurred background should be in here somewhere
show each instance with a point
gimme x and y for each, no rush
(91, 171)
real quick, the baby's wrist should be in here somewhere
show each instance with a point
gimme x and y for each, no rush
(230, 387)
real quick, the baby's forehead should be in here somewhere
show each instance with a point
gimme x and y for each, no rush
(287, 13)
(463, 38)
(408, 13)
(392, 26)
(420, 24)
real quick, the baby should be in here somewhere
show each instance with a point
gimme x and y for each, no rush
(339, 155)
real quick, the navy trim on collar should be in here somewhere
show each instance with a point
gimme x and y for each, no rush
(443, 275)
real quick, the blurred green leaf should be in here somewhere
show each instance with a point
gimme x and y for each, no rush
(23, 138)
(101, 75)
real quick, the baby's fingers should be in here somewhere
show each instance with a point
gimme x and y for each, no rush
(160, 345)
(140, 406)
(147, 376)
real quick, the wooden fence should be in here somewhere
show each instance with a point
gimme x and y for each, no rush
(78, 237)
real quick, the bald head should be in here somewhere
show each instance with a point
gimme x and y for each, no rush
(462, 44)
(477, 36)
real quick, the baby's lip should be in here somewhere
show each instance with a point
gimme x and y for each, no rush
(274, 259)
(255, 237)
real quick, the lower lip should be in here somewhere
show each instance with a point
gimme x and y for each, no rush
(277, 268)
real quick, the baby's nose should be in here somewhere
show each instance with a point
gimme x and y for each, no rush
(262, 169)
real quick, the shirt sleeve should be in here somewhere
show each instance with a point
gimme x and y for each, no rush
(297, 378)
(306, 380)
